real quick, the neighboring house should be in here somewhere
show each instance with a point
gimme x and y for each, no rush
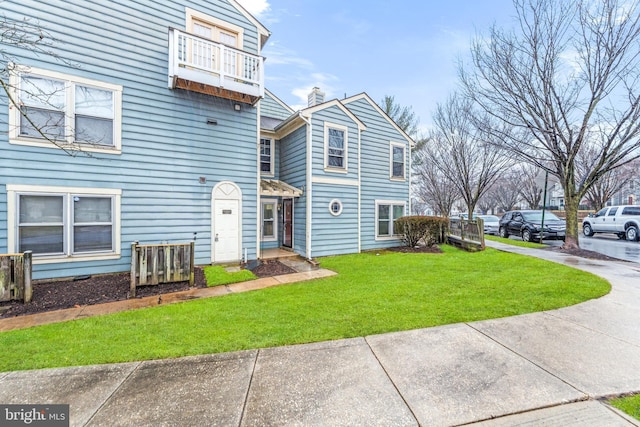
(179, 139)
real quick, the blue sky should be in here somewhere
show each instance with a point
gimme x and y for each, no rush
(407, 49)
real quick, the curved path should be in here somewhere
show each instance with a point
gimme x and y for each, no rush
(548, 368)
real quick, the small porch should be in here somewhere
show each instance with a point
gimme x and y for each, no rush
(277, 253)
(277, 219)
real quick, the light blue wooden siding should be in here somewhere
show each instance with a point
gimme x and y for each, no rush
(336, 116)
(293, 160)
(334, 235)
(269, 107)
(166, 143)
(375, 182)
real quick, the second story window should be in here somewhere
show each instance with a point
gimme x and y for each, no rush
(266, 156)
(396, 165)
(67, 110)
(335, 148)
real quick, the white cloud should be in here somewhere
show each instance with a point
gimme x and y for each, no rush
(256, 7)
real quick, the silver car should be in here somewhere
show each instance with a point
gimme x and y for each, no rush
(491, 224)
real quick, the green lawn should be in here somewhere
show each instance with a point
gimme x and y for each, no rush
(217, 275)
(513, 242)
(372, 294)
(630, 405)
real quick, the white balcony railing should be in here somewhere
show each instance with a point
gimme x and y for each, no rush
(199, 60)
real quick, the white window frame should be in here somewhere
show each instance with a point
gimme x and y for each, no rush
(70, 83)
(273, 202)
(345, 130)
(15, 191)
(331, 206)
(391, 204)
(218, 26)
(271, 171)
(393, 145)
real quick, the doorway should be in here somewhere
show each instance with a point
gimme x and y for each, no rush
(287, 223)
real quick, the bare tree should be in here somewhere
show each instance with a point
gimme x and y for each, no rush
(28, 35)
(431, 185)
(505, 191)
(569, 75)
(530, 191)
(610, 183)
(461, 150)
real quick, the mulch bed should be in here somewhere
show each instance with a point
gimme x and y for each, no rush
(583, 253)
(270, 268)
(61, 294)
(417, 250)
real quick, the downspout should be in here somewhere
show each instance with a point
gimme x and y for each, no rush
(359, 190)
(409, 172)
(308, 189)
(258, 205)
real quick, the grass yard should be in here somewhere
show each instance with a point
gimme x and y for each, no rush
(372, 294)
(513, 242)
(629, 405)
(217, 275)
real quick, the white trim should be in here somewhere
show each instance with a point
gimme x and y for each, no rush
(335, 181)
(272, 149)
(334, 169)
(273, 202)
(14, 190)
(339, 210)
(381, 112)
(215, 22)
(309, 188)
(393, 144)
(359, 191)
(279, 101)
(391, 203)
(226, 190)
(258, 184)
(334, 103)
(70, 82)
(262, 30)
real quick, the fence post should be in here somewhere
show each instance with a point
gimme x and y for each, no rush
(27, 263)
(134, 265)
(191, 263)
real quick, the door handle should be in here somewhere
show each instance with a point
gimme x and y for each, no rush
(216, 238)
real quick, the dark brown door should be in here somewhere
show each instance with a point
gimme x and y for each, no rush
(287, 207)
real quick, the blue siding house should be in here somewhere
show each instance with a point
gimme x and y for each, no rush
(149, 121)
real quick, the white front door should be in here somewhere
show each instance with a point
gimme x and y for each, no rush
(226, 227)
(226, 241)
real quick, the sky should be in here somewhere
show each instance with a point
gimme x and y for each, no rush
(408, 49)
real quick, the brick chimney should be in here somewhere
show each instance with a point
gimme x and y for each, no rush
(315, 97)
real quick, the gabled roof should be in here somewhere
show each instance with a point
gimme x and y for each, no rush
(279, 101)
(262, 30)
(273, 187)
(333, 103)
(366, 97)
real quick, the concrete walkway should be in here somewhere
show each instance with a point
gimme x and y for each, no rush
(546, 368)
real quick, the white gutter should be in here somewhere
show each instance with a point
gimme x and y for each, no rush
(258, 196)
(308, 192)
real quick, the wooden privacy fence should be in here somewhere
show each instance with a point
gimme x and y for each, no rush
(468, 235)
(161, 263)
(15, 277)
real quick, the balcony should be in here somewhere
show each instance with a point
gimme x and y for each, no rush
(200, 65)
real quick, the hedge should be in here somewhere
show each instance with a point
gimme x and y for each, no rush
(428, 229)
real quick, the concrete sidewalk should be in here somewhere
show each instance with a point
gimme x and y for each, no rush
(545, 368)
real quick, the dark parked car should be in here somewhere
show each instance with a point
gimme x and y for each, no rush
(526, 224)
